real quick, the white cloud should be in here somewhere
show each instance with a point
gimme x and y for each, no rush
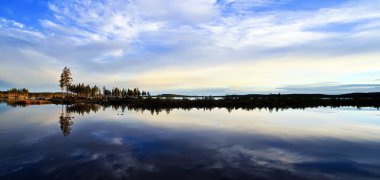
(16, 29)
(178, 11)
(7, 23)
(288, 28)
(244, 6)
(128, 20)
(99, 20)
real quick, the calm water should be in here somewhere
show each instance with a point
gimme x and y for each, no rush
(52, 142)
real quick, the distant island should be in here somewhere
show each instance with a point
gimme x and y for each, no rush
(136, 98)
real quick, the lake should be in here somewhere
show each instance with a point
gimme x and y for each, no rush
(59, 142)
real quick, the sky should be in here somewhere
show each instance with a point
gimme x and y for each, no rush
(195, 47)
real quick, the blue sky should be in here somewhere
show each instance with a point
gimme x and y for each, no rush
(193, 47)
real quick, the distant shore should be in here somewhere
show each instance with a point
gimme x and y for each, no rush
(277, 101)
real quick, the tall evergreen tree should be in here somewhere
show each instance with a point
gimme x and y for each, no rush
(66, 79)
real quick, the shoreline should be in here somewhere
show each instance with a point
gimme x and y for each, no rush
(210, 104)
(272, 101)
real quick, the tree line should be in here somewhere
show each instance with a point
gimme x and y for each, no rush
(15, 92)
(82, 90)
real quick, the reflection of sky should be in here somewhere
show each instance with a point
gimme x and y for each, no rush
(209, 144)
(348, 124)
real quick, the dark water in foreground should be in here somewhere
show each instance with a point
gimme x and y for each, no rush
(48, 142)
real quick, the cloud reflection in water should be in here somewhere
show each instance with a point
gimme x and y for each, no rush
(198, 145)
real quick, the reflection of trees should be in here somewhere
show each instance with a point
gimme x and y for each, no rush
(65, 119)
(231, 103)
(83, 108)
(15, 102)
(248, 103)
(65, 122)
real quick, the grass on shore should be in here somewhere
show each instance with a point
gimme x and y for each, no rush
(26, 102)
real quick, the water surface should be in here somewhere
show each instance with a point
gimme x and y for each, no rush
(57, 142)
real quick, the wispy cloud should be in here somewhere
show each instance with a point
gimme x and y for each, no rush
(7, 23)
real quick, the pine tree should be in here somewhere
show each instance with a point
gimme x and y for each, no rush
(66, 79)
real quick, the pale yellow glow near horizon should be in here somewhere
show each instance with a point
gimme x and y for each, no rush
(270, 73)
(259, 75)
